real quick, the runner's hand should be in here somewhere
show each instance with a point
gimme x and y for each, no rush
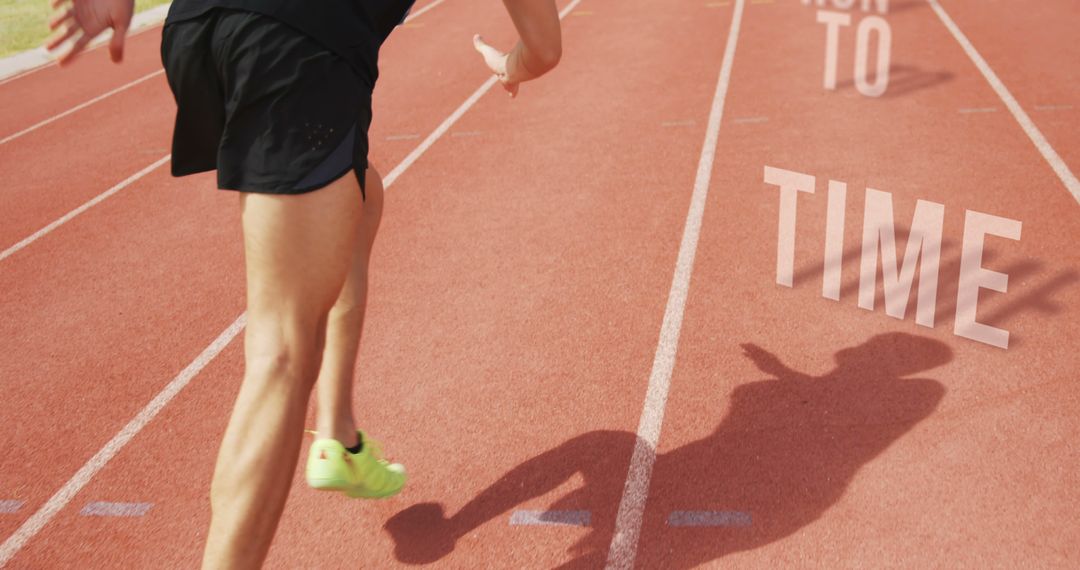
(496, 62)
(84, 20)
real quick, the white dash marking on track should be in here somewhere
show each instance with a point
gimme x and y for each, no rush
(551, 518)
(61, 498)
(1072, 184)
(86, 206)
(688, 123)
(972, 110)
(81, 106)
(1053, 107)
(632, 505)
(709, 518)
(407, 137)
(750, 120)
(105, 509)
(10, 506)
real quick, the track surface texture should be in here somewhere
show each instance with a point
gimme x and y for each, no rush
(605, 328)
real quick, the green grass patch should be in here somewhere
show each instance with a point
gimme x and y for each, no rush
(24, 24)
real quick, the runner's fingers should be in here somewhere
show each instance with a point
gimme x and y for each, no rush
(56, 3)
(79, 45)
(61, 17)
(61, 36)
(116, 44)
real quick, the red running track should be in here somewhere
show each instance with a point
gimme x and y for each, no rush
(520, 283)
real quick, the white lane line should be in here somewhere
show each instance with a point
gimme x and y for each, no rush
(414, 15)
(89, 204)
(632, 505)
(105, 509)
(550, 518)
(81, 106)
(709, 518)
(33, 60)
(1060, 168)
(453, 118)
(971, 110)
(10, 506)
(407, 137)
(58, 501)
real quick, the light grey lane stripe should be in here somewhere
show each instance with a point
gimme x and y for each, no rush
(10, 506)
(632, 505)
(748, 120)
(978, 110)
(104, 509)
(551, 518)
(65, 494)
(1072, 184)
(709, 518)
(443, 127)
(86, 206)
(403, 137)
(420, 12)
(687, 123)
(81, 106)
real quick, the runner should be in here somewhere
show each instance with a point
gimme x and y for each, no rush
(276, 96)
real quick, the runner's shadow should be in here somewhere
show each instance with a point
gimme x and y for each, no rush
(784, 454)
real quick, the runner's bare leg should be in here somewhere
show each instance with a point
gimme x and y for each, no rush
(298, 251)
(334, 418)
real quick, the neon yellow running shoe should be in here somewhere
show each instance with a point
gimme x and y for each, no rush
(330, 467)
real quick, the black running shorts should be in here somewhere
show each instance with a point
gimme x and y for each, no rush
(267, 106)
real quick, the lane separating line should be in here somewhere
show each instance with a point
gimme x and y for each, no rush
(709, 518)
(81, 106)
(632, 505)
(58, 501)
(157, 16)
(550, 518)
(89, 204)
(453, 118)
(414, 15)
(1060, 168)
(105, 509)
(64, 219)
(970, 110)
(20, 65)
(10, 506)
(62, 497)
